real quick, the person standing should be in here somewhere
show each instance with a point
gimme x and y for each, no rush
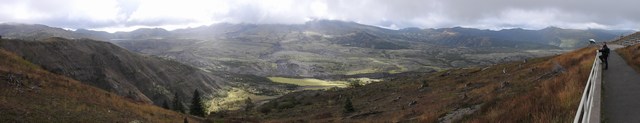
(605, 55)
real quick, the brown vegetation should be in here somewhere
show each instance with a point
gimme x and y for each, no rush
(631, 54)
(30, 94)
(554, 98)
(538, 90)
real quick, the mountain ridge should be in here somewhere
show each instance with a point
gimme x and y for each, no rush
(316, 25)
(329, 47)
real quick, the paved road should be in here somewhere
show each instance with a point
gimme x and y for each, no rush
(621, 93)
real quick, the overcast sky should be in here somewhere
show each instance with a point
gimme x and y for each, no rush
(123, 15)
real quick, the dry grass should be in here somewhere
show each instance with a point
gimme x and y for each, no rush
(309, 82)
(631, 54)
(554, 99)
(30, 94)
(527, 92)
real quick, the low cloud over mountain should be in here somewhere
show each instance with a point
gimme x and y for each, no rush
(118, 15)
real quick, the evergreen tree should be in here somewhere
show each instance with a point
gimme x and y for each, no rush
(424, 84)
(177, 104)
(348, 107)
(248, 104)
(165, 105)
(197, 108)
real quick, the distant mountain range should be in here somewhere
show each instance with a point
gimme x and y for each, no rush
(325, 47)
(457, 36)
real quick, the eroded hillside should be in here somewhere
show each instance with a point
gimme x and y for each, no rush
(31, 94)
(142, 78)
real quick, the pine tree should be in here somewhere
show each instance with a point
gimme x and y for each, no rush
(348, 107)
(177, 104)
(248, 104)
(197, 108)
(165, 105)
(424, 84)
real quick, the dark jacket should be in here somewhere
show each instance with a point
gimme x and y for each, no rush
(604, 51)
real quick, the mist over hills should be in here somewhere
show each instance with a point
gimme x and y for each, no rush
(550, 35)
(326, 47)
(322, 48)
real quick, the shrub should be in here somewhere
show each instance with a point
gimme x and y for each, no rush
(348, 107)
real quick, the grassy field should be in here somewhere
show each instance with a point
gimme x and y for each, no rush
(310, 82)
(235, 100)
(362, 71)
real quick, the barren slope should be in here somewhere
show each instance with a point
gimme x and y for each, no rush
(31, 94)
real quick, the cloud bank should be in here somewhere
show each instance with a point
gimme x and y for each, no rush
(113, 15)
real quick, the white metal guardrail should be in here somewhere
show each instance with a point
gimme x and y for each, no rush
(589, 109)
